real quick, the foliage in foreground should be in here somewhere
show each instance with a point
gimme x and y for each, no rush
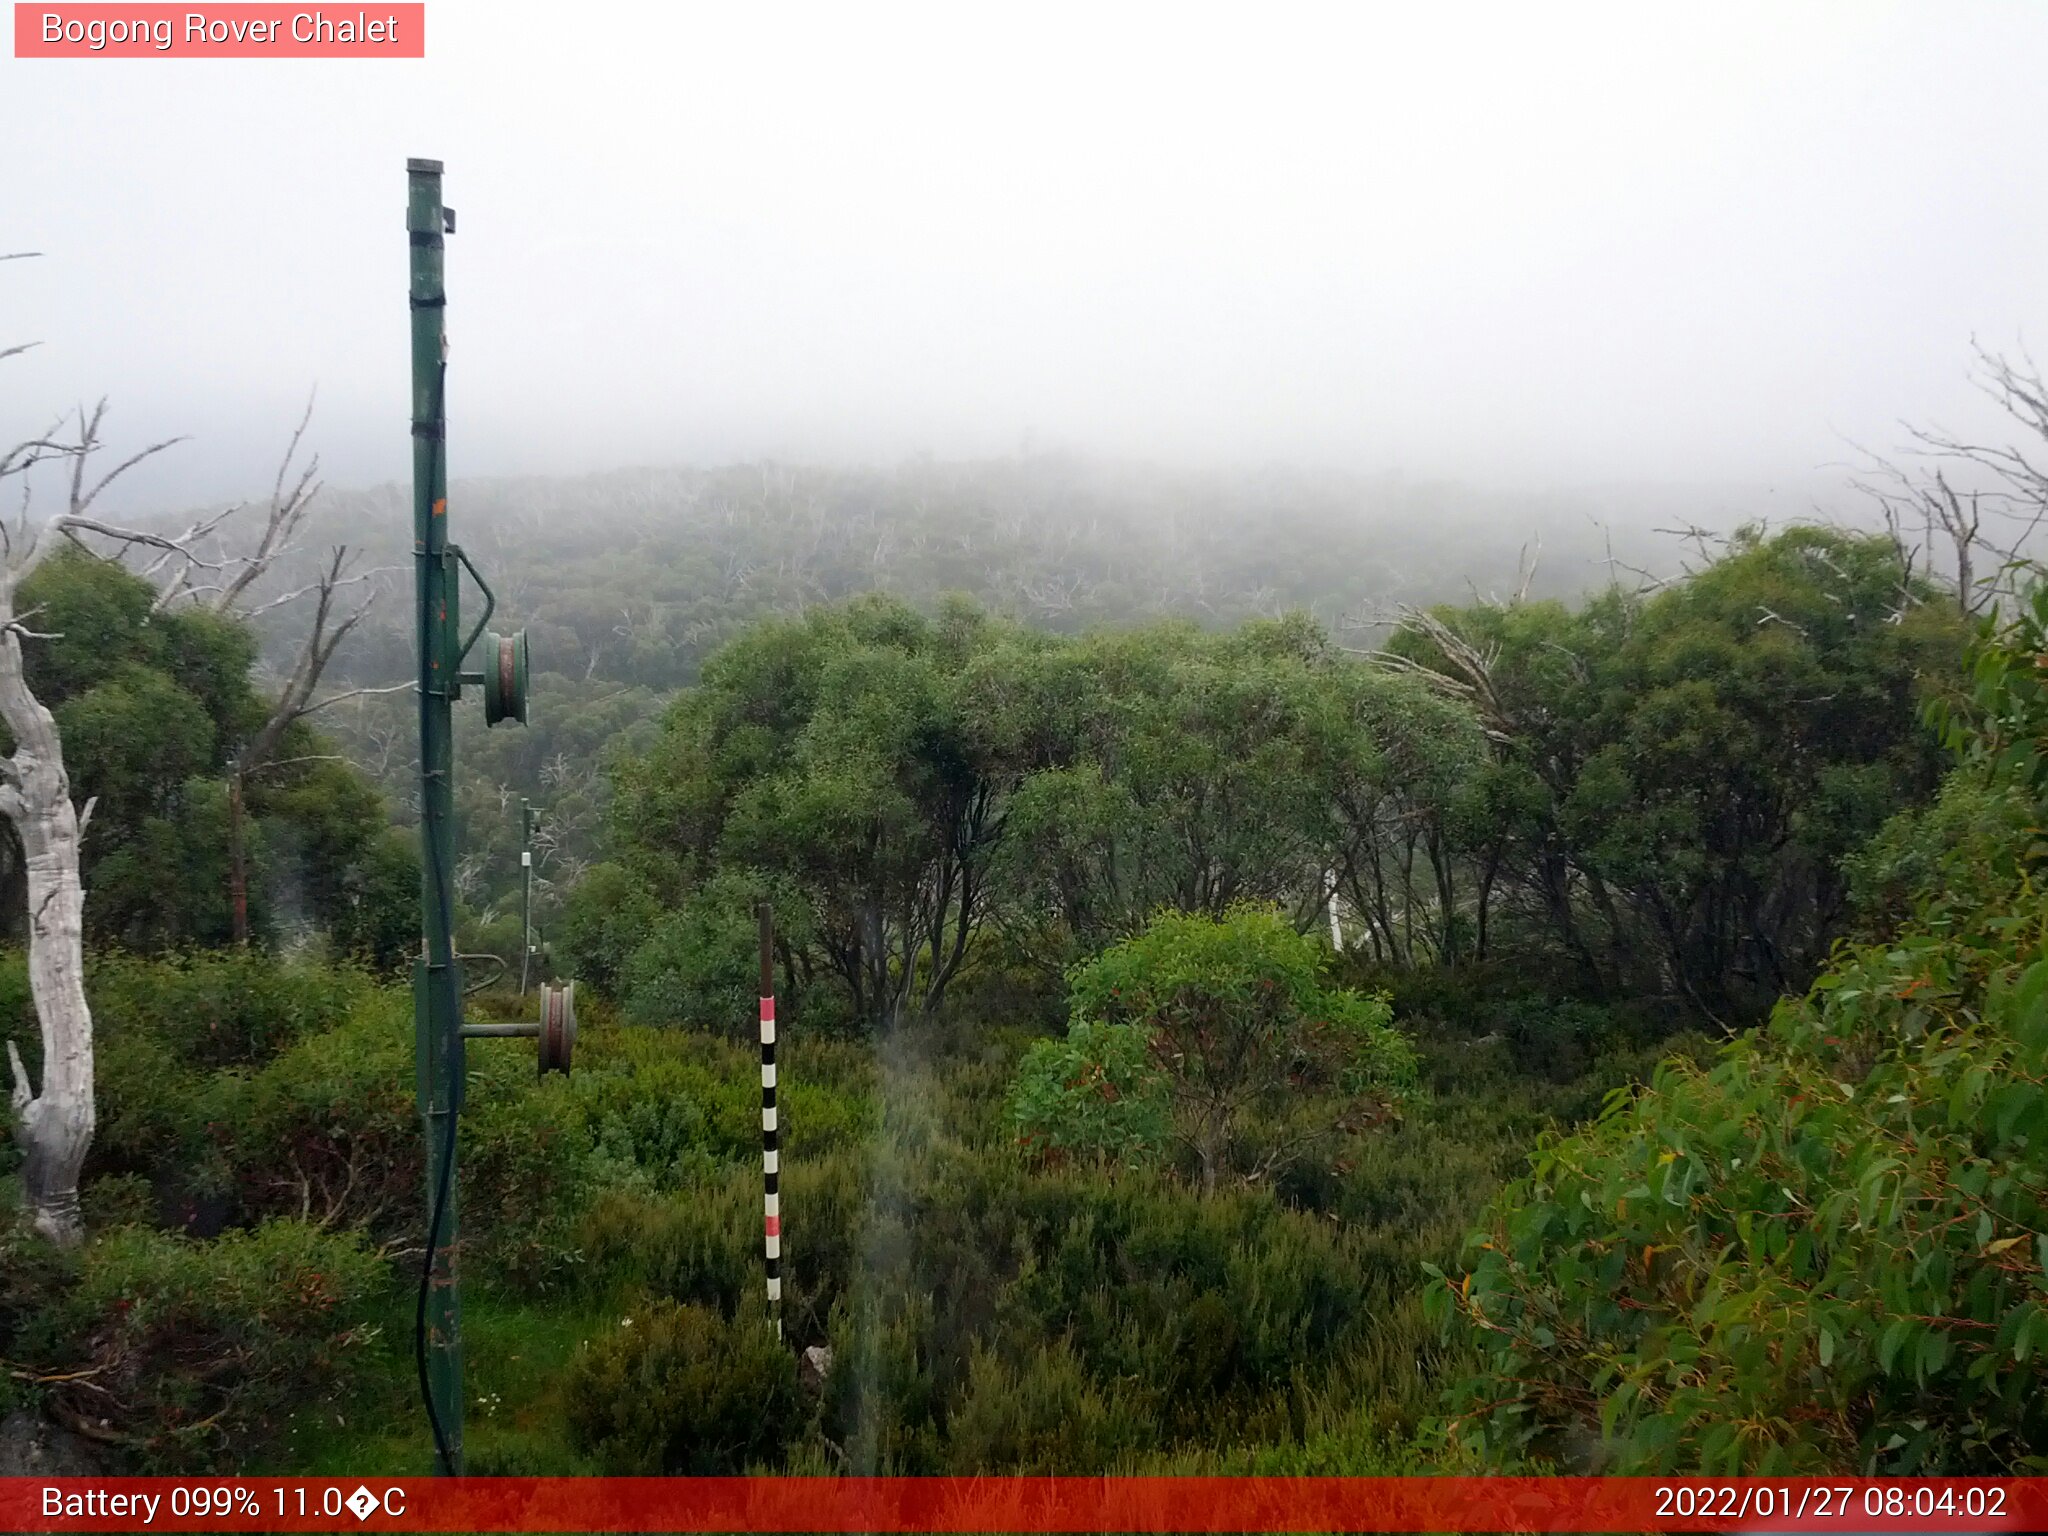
(1828, 1250)
(984, 1314)
(682, 1390)
(181, 1349)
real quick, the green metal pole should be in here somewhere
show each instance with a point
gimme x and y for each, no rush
(437, 987)
(525, 890)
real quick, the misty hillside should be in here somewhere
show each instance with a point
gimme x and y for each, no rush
(626, 582)
(636, 575)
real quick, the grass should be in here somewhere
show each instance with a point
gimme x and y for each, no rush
(515, 1356)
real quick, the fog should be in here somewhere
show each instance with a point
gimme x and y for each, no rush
(1527, 246)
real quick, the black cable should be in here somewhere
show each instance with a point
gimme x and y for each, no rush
(447, 1179)
(419, 1326)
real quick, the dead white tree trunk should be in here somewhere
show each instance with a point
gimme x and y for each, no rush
(53, 1121)
(54, 1126)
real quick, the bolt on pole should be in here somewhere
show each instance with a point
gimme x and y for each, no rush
(437, 987)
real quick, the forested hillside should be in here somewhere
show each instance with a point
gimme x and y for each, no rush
(1167, 992)
(628, 582)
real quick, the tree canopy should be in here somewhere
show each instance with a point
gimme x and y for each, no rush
(153, 704)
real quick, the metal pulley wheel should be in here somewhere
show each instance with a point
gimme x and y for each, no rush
(557, 1026)
(504, 669)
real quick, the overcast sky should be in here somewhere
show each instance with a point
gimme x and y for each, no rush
(1528, 244)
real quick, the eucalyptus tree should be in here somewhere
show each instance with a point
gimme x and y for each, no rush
(836, 756)
(1184, 771)
(1681, 773)
(1195, 771)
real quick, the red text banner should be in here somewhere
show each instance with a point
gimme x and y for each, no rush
(1026, 1504)
(239, 31)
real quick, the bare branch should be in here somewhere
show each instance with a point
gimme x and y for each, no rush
(299, 592)
(1771, 617)
(294, 700)
(289, 762)
(288, 510)
(72, 525)
(357, 693)
(23, 1094)
(2003, 484)
(88, 444)
(1528, 565)
(32, 451)
(1467, 674)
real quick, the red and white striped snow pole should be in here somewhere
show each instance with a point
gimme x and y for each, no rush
(771, 1156)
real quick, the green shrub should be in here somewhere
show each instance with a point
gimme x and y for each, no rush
(703, 1243)
(376, 918)
(1094, 1094)
(659, 1108)
(1210, 1306)
(211, 1009)
(330, 1131)
(1045, 1417)
(1237, 1021)
(1560, 1038)
(524, 1174)
(149, 1106)
(33, 1273)
(1971, 844)
(190, 1049)
(1197, 1315)
(682, 1390)
(699, 964)
(193, 1349)
(1820, 1254)
(606, 917)
(118, 1200)
(886, 1396)
(163, 1025)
